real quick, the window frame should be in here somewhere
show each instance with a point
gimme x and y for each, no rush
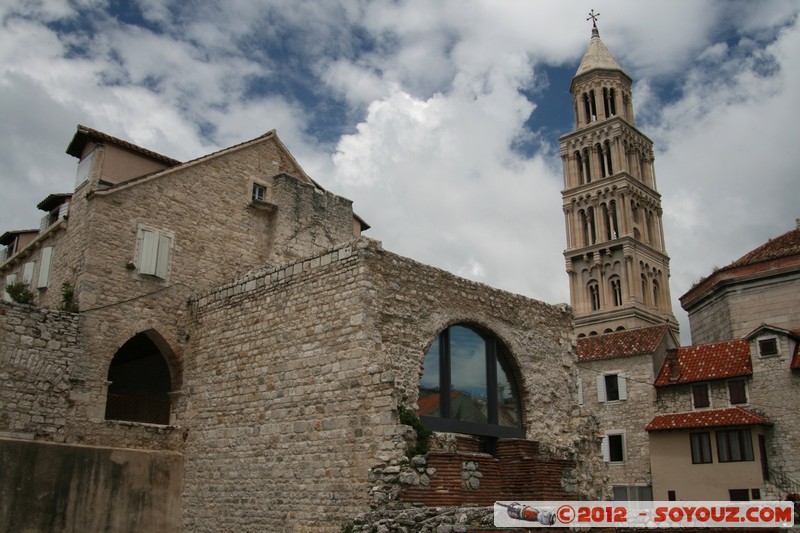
(696, 386)
(602, 390)
(744, 440)
(773, 341)
(496, 354)
(606, 446)
(745, 392)
(257, 188)
(700, 447)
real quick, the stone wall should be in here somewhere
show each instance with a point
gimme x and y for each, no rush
(297, 373)
(37, 347)
(75, 489)
(630, 415)
(290, 400)
(733, 310)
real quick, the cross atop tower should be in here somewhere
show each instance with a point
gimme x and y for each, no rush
(593, 16)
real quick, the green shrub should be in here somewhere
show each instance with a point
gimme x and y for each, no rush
(68, 302)
(423, 442)
(20, 292)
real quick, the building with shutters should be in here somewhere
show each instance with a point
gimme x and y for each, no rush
(676, 421)
(237, 356)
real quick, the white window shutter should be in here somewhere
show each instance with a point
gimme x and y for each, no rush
(622, 384)
(10, 280)
(601, 388)
(27, 272)
(604, 449)
(44, 267)
(148, 253)
(162, 259)
(580, 391)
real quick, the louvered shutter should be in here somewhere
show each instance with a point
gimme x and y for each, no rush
(162, 259)
(580, 391)
(148, 253)
(601, 388)
(622, 383)
(605, 450)
(27, 272)
(44, 267)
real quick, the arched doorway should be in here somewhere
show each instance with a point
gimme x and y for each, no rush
(140, 383)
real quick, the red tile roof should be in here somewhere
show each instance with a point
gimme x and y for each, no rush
(702, 362)
(779, 253)
(621, 343)
(733, 416)
(786, 244)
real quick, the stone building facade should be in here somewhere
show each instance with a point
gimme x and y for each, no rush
(616, 373)
(761, 287)
(225, 318)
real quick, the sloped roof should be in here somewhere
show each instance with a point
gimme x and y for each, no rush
(597, 57)
(53, 200)
(702, 362)
(781, 252)
(733, 416)
(85, 134)
(621, 343)
(782, 246)
(7, 237)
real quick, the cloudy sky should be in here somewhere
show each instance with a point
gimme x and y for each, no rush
(439, 119)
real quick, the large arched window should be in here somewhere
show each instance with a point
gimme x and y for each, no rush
(468, 386)
(139, 383)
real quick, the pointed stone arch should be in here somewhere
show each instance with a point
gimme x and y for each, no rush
(141, 377)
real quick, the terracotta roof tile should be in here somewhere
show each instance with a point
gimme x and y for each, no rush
(702, 362)
(621, 344)
(786, 244)
(733, 416)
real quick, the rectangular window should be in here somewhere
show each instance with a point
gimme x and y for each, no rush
(755, 494)
(671, 496)
(768, 347)
(700, 397)
(154, 253)
(734, 445)
(737, 391)
(633, 493)
(259, 193)
(611, 387)
(739, 495)
(613, 448)
(44, 268)
(701, 447)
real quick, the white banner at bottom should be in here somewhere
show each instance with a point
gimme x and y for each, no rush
(644, 514)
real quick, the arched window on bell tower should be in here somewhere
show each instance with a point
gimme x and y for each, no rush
(594, 295)
(616, 291)
(579, 164)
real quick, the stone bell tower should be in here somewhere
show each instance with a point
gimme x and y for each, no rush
(615, 256)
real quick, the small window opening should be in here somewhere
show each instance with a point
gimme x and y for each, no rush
(259, 193)
(768, 347)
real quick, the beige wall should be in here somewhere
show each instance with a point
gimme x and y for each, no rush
(671, 462)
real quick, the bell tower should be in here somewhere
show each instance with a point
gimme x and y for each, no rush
(616, 259)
